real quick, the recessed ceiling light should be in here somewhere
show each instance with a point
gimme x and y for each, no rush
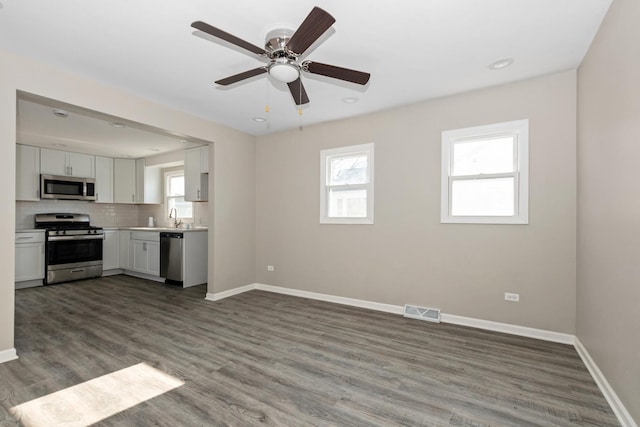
(259, 119)
(60, 113)
(350, 100)
(57, 144)
(154, 149)
(184, 141)
(118, 125)
(501, 63)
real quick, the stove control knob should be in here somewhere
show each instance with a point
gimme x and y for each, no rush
(64, 231)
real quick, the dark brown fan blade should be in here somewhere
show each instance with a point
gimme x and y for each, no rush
(297, 91)
(242, 76)
(216, 32)
(315, 24)
(352, 76)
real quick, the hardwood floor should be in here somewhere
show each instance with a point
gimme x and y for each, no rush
(263, 358)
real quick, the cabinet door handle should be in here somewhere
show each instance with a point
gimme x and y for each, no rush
(25, 237)
(198, 194)
(144, 246)
(71, 169)
(97, 197)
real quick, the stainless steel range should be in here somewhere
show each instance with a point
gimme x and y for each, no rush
(73, 248)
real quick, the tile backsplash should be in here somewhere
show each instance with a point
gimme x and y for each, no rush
(159, 212)
(105, 214)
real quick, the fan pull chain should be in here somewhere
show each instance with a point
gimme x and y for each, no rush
(266, 107)
(300, 96)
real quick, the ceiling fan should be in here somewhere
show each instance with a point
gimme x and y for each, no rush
(283, 48)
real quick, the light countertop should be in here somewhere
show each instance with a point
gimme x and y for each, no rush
(160, 229)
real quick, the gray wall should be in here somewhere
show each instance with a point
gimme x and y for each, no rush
(231, 233)
(407, 256)
(608, 292)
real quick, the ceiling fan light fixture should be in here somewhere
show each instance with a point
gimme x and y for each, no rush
(284, 70)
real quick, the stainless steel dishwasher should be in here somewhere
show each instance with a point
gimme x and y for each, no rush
(171, 257)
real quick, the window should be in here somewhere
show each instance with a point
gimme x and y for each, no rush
(346, 185)
(174, 193)
(485, 174)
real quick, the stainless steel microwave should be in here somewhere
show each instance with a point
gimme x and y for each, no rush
(67, 188)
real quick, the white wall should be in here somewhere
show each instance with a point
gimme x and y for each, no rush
(608, 292)
(407, 256)
(238, 231)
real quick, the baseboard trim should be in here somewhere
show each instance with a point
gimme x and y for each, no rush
(231, 292)
(507, 328)
(612, 398)
(7, 355)
(387, 308)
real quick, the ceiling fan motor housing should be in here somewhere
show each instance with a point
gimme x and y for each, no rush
(276, 43)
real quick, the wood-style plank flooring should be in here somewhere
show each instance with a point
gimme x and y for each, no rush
(266, 359)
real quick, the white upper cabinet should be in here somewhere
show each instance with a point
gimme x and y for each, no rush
(124, 181)
(104, 179)
(196, 174)
(133, 182)
(27, 173)
(148, 183)
(55, 162)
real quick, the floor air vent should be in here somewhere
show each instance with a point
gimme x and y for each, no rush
(422, 313)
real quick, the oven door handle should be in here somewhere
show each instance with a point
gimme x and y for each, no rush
(81, 237)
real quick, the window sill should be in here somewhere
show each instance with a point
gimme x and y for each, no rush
(515, 220)
(347, 221)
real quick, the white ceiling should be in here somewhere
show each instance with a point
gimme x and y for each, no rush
(414, 49)
(85, 132)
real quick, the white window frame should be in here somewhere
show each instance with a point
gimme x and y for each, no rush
(325, 156)
(519, 129)
(168, 174)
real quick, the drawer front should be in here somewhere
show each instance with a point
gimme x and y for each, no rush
(30, 237)
(149, 236)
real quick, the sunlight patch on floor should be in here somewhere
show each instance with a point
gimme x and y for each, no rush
(94, 400)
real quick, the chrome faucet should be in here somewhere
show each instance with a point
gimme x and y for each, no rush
(176, 222)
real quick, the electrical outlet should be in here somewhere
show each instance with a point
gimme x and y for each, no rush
(511, 297)
(270, 268)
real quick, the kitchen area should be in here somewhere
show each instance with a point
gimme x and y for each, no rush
(97, 197)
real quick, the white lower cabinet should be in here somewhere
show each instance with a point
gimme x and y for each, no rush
(29, 256)
(111, 250)
(123, 244)
(144, 252)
